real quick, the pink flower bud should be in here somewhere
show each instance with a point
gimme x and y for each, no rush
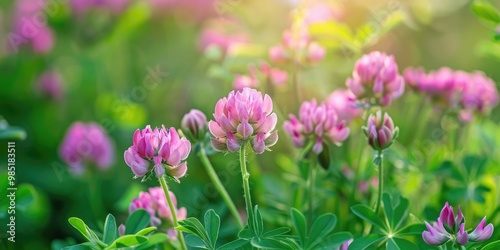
(380, 131)
(194, 124)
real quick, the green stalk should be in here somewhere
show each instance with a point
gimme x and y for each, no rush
(220, 188)
(173, 210)
(380, 180)
(311, 177)
(246, 186)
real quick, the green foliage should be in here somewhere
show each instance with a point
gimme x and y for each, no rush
(137, 234)
(486, 11)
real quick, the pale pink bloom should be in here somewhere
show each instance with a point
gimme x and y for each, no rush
(315, 52)
(479, 94)
(155, 203)
(344, 103)
(163, 147)
(278, 54)
(320, 12)
(317, 123)
(278, 77)
(222, 33)
(243, 116)
(375, 79)
(194, 125)
(49, 83)
(86, 143)
(245, 81)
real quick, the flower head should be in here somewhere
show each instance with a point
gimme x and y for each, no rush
(244, 116)
(162, 147)
(316, 122)
(343, 101)
(375, 79)
(86, 142)
(194, 125)
(380, 131)
(156, 205)
(50, 84)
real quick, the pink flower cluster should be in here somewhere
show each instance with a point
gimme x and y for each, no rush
(155, 203)
(265, 73)
(297, 46)
(244, 116)
(30, 27)
(376, 80)
(49, 84)
(222, 33)
(316, 122)
(452, 228)
(466, 92)
(86, 143)
(164, 147)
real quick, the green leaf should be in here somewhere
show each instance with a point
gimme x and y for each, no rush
(83, 246)
(137, 221)
(395, 210)
(367, 214)
(321, 227)
(110, 230)
(485, 11)
(335, 240)
(153, 240)
(194, 226)
(233, 244)
(259, 223)
(492, 246)
(400, 244)
(276, 232)
(12, 133)
(269, 243)
(212, 224)
(25, 194)
(300, 224)
(368, 242)
(246, 234)
(146, 231)
(79, 225)
(195, 241)
(412, 230)
(128, 241)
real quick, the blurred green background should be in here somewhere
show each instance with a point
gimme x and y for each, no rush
(103, 57)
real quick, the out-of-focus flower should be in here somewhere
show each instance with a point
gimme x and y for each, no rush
(315, 52)
(29, 29)
(244, 116)
(49, 83)
(155, 203)
(380, 131)
(278, 77)
(222, 33)
(452, 228)
(344, 103)
(467, 93)
(345, 245)
(164, 147)
(245, 81)
(316, 123)
(481, 233)
(375, 79)
(194, 125)
(278, 54)
(86, 143)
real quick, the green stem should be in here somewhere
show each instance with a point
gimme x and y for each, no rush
(246, 186)
(312, 175)
(173, 210)
(380, 180)
(96, 203)
(220, 188)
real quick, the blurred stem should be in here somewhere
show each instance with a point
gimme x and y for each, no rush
(173, 210)
(295, 82)
(246, 185)
(312, 175)
(218, 185)
(95, 193)
(380, 160)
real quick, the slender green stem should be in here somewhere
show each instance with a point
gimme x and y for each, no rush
(173, 210)
(380, 180)
(220, 188)
(312, 175)
(246, 186)
(96, 203)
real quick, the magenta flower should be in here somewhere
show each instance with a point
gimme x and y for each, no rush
(481, 233)
(450, 227)
(163, 147)
(380, 131)
(86, 143)
(344, 103)
(49, 84)
(155, 203)
(439, 85)
(316, 122)
(194, 125)
(244, 116)
(479, 94)
(375, 79)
